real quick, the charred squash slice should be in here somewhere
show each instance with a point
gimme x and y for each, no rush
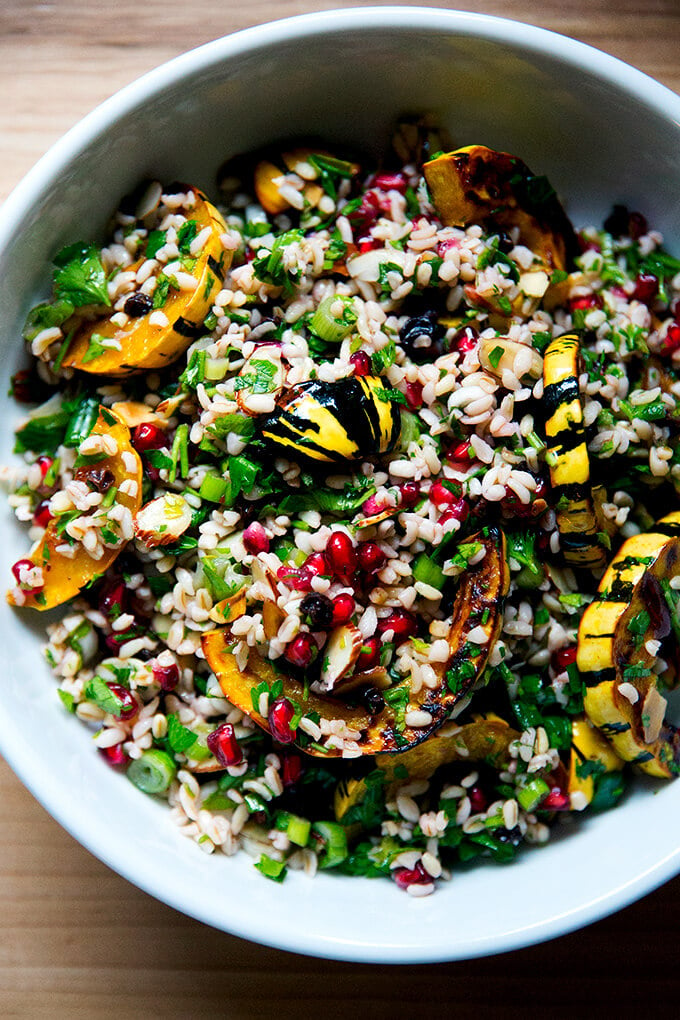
(140, 345)
(567, 455)
(476, 184)
(634, 617)
(474, 628)
(64, 577)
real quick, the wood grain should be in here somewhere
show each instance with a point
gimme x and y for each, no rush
(78, 940)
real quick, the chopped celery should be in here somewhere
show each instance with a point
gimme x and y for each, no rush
(533, 793)
(333, 326)
(153, 772)
(428, 572)
(298, 830)
(331, 839)
(213, 488)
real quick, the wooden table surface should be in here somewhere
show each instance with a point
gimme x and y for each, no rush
(76, 939)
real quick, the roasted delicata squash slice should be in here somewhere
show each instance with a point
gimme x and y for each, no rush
(330, 422)
(632, 621)
(476, 184)
(591, 754)
(65, 574)
(475, 625)
(567, 456)
(155, 340)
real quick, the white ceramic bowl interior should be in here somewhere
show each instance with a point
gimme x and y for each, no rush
(603, 133)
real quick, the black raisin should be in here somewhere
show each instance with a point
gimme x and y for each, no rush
(137, 304)
(421, 337)
(317, 611)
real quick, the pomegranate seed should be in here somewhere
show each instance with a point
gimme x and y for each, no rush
(116, 638)
(563, 657)
(224, 745)
(478, 801)
(148, 437)
(343, 609)
(114, 756)
(646, 287)
(17, 569)
(512, 506)
(301, 651)
(441, 495)
(369, 244)
(291, 769)
(465, 340)
(637, 225)
(112, 599)
(45, 463)
(298, 578)
(129, 704)
(409, 493)
(373, 505)
(167, 677)
(42, 515)
(317, 565)
(280, 715)
(402, 624)
(22, 387)
(460, 452)
(369, 656)
(255, 539)
(404, 877)
(371, 557)
(414, 395)
(445, 246)
(459, 510)
(342, 555)
(671, 341)
(586, 301)
(361, 362)
(556, 801)
(391, 182)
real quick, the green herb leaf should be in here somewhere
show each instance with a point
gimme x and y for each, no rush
(79, 277)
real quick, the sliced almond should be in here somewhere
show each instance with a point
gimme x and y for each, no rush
(265, 580)
(496, 354)
(653, 712)
(339, 655)
(167, 407)
(534, 283)
(163, 520)
(134, 413)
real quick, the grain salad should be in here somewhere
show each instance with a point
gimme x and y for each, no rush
(357, 490)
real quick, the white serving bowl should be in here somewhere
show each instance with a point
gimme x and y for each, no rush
(603, 133)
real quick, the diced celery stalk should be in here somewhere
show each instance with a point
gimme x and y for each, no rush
(333, 840)
(213, 488)
(216, 368)
(333, 329)
(428, 572)
(298, 830)
(410, 430)
(153, 772)
(532, 793)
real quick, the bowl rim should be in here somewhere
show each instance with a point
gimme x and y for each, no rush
(14, 746)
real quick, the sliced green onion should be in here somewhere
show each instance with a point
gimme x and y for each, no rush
(428, 572)
(410, 429)
(271, 868)
(81, 422)
(532, 793)
(216, 368)
(180, 453)
(298, 830)
(333, 843)
(153, 772)
(213, 487)
(333, 328)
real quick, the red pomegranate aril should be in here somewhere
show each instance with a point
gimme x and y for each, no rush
(255, 539)
(637, 225)
(402, 624)
(280, 714)
(222, 743)
(129, 704)
(371, 557)
(114, 756)
(17, 569)
(409, 493)
(42, 515)
(45, 463)
(369, 656)
(465, 340)
(22, 387)
(585, 302)
(441, 495)
(317, 565)
(459, 510)
(361, 362)
(297, 578)
(414, 395)
(556, 801)
(373, 505)
(342, 555)
(390, 182)
(343, 609)
(301, 651)
(460, 452)
(112, 599)
(478, 801)
(671, 341)
(167, 677)
(148, 437)
(291, 769)
(646, 287)
(368, 244)
(563, 657)
(404, 877)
